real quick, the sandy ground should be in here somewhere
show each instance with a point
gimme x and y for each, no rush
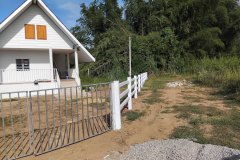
(154, 125)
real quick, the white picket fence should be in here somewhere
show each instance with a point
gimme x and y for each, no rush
(120, 99)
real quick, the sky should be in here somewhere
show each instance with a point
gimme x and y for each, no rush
(68, 11)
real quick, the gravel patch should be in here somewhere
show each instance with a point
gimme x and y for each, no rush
(178, 149)
(179, 84)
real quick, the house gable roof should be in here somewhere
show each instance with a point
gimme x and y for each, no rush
(87, 56)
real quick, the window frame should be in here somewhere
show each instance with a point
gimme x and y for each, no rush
(24, 64)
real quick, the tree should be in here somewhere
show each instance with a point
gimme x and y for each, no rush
(167, 34)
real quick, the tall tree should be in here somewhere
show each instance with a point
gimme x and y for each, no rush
(167, 34)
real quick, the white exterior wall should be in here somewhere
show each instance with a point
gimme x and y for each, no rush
(39, 59)
(13, 45)
(39, 66)
(14, 35)
(39, 63)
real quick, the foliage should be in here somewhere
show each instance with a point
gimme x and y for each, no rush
(223, 72)
(167, 35)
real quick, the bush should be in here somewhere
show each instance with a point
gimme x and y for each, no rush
(223, 72)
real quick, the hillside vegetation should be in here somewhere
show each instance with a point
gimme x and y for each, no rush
(200, 37)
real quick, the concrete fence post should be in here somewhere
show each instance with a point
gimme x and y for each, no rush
(129, 93)
(135, 87)
(115, 106)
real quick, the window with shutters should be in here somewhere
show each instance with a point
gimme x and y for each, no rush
(22, 64)
(41, 32)
(29, 31)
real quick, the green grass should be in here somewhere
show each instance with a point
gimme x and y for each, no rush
(133, 115)
(183, 115)
(231, 103)
(225, 125)
(192, 98)
(153, 98)
(157, 82)
(154, 84)
(197, 109)
(187, 132)
(196, 121)
(223, 72)
(231, 120)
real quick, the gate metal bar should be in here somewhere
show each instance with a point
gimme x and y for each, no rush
(68, 115)
(15, 132)
(40, 121)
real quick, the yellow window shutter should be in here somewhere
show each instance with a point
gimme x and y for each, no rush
(29, 31)
(41, 32)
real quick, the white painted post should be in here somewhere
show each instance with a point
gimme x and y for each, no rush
(135, 88)
(51, 63)
(141, 80)
(115, 106)
(68, 66)
(76, 62)
(130, 56)
(139, 83)
(129, 93)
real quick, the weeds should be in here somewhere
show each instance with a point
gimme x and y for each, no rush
(154, 85)
(153, 98)
(159, 81)
(223, 72)
(197, 109)
(183, 115)
(188, 133)
(193, 99)
(226, 125)
(133, 115)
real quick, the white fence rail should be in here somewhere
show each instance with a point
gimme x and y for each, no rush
(122, 94)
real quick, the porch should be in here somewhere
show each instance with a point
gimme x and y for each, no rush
(13, 76)
(66, 63)
(30, 68)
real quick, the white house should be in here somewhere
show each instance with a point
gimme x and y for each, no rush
(37, 50)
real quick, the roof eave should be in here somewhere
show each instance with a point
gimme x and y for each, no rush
(64, 28)
(15, 14)
(47, 11)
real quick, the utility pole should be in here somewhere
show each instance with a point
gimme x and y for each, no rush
(130, 56)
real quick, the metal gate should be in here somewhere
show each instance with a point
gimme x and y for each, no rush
(41, 121)
(14, 125)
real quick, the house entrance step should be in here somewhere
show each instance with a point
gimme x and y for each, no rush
(68, 83)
